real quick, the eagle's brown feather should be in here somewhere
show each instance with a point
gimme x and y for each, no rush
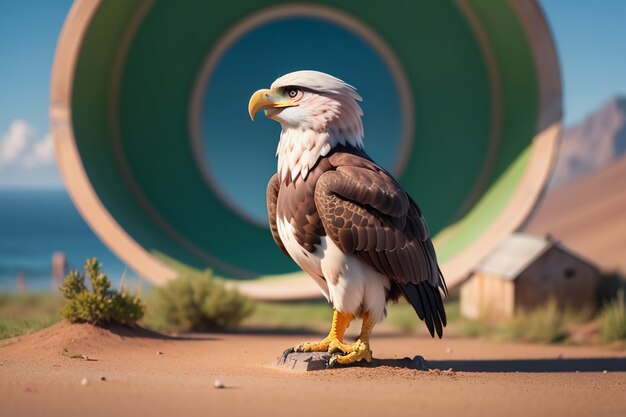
(272, 197)
(365, 212)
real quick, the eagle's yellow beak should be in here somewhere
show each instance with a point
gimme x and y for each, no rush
(265, 99)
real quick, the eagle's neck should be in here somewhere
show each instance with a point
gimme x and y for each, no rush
(300, 149)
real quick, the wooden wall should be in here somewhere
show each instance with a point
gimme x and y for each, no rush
(487, 296)
(556, 275)
(559, 276)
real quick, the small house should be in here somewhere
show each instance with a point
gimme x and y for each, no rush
(527, 271)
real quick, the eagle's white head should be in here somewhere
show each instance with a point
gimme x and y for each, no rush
(316, 111)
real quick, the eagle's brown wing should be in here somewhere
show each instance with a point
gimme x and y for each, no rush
(367, 213)
(272, 196)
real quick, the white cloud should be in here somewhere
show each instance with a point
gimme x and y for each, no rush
(26, 158)
(41, 153)
(15, 140)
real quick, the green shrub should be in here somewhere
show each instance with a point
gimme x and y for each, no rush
(197, 301)
(101, 305)
(613, 319)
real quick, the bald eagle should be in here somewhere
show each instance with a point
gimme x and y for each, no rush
(341, 217)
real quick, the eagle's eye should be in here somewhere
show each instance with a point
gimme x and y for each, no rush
(292, 92)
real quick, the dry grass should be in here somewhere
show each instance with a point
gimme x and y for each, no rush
(613, 319)
(546, 324)
(25, 313)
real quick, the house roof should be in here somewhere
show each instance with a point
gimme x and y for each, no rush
(514, 255)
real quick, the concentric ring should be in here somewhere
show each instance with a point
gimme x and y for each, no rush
(479, 83)
(281, 13)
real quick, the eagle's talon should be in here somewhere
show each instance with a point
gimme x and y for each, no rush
(332, 362)
(360, 351)
(287, 351)
(330, 344)
(321, 346)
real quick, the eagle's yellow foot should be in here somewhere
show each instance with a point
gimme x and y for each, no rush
(338, 346)
(332, 342)
(321, 346)
(359, 351)
(328, 344)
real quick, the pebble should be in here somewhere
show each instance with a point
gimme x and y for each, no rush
(159, 353)
(104, 378)
(605, 371)
(218, 384)
(84, 382)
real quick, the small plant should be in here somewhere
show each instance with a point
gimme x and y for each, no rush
(26, 313)
(613, 319)
(545, 324)
(101, 305)
(66, 352)
(197, 301)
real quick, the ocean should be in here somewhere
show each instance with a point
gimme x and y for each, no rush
(36, 223)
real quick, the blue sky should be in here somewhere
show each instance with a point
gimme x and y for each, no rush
(28, 34)
(591, 41)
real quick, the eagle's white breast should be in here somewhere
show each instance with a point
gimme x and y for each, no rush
(348, 283)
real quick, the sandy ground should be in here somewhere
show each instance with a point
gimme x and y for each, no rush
(39, 377)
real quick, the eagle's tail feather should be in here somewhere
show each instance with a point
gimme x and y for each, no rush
(442, 282)
(427, 303)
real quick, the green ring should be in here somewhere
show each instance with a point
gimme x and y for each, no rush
(136, 71)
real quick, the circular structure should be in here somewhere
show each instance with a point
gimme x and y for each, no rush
(217, 105)
(462, 102)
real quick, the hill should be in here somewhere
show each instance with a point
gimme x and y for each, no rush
(589, 216)
(593, 143)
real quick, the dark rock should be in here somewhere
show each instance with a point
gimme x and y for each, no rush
(317, 361)
(304, 361)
